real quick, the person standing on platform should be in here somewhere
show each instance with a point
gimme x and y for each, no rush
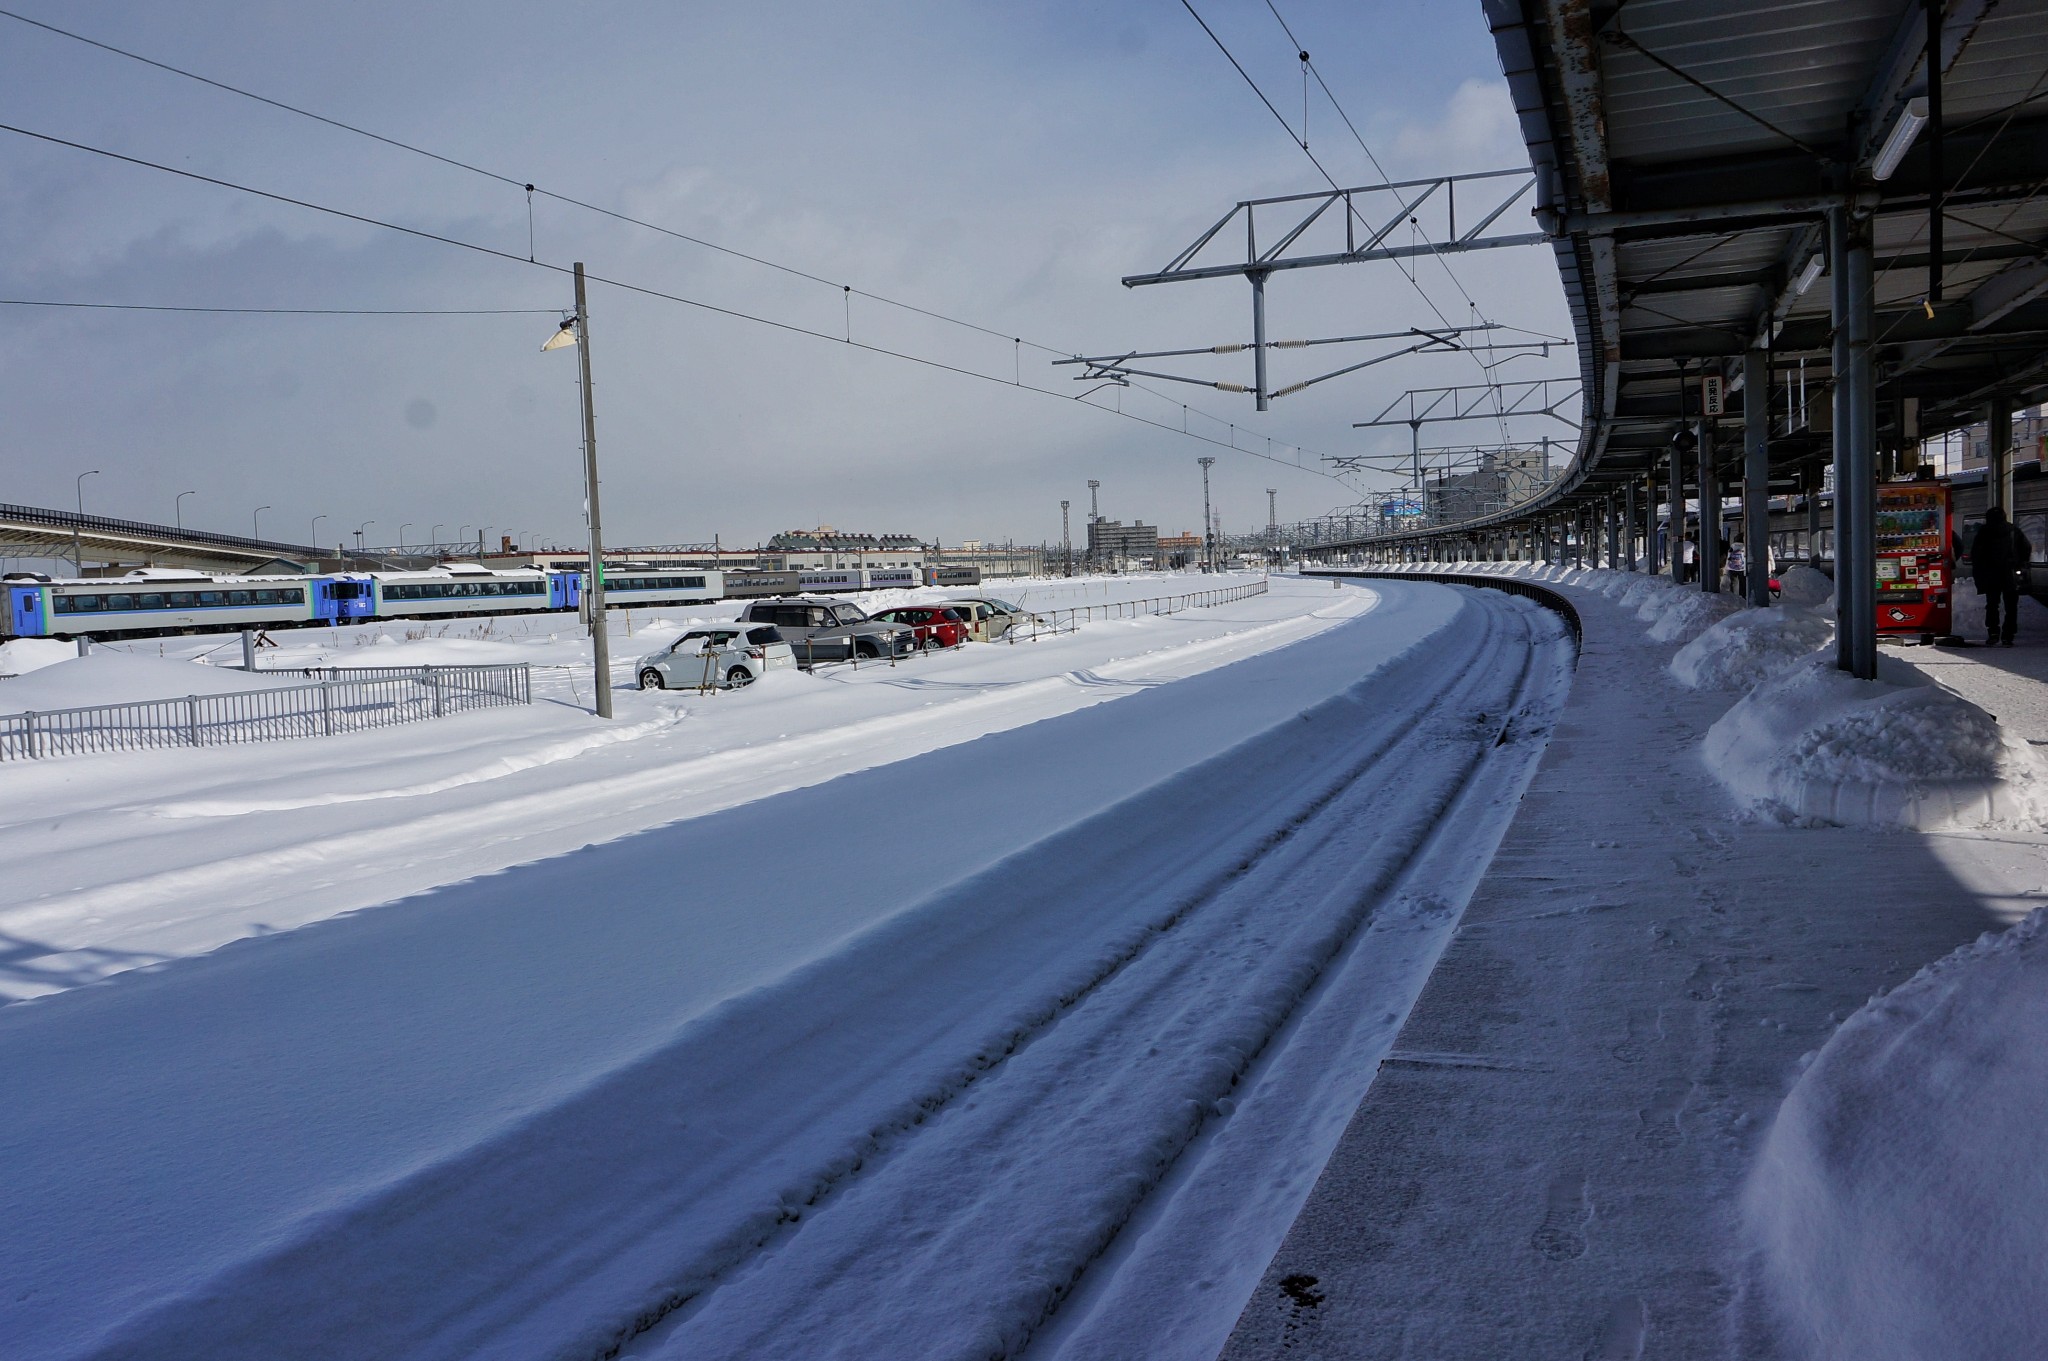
(1998, 564)
(1689, 559)
(1738, 575)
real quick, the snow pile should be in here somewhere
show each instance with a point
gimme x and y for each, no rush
(1748, 648)
(1816, 745)
(1650, 597)
(1689, 612)
(1900, 1202)
(1800, 585)
(19, 656)
(110, 677)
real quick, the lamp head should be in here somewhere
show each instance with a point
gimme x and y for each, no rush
(565, 336)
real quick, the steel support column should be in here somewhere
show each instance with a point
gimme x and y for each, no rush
(1756, 474)
(1628, 515)
(1838, 365)
(1710, 510)
(1856, 562)
(1259, 340)
(1998, 469)
(1674, 533)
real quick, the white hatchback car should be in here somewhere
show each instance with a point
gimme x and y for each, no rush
(724, 655)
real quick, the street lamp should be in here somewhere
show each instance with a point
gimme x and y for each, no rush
(256, 522)
(401, 533)
(1208, 538)
(576, 331)
(315, 540)
(359, 533)
(77, 549)
(437, 534)
(178, 508)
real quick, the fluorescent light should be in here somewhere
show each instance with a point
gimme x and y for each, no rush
(1808, 275)
(1912, 118)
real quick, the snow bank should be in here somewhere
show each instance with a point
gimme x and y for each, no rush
(19, 656)
(1800, 585)
(109, 677)
(1688, 612)
(1748, 648)
(1816, 745)
(1900, 1202)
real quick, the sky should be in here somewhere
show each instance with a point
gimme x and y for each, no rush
(1002, 165)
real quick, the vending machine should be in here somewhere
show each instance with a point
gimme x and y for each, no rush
(1914, 575)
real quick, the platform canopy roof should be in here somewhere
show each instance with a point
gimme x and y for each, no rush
(1687, 153)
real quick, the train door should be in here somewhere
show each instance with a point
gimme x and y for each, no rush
(1915, 579)
(565, 590)
(25, 611)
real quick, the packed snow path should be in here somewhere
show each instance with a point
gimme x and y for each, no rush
(877, 1067)
(1548, 1164)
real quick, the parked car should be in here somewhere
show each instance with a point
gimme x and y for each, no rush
(936, 626)
(726, 655)
(989, 618)
(823, 630)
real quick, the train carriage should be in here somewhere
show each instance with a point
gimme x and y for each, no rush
(458, 588)
(155, 600)
(629, 584)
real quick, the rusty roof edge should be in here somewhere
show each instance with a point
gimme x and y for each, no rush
(1576, 179)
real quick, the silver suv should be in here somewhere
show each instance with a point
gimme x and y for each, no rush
(723, 655)
(822, 630)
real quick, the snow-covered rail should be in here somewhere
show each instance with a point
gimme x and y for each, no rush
(919, 1139)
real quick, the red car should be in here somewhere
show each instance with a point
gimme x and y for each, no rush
(935, 625)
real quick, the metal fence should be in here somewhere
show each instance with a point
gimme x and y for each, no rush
(344, 699)
(1045, 623)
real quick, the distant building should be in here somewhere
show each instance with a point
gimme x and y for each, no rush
(1111, 542)
(828, 547)
(1180, 550)
(1503, 478)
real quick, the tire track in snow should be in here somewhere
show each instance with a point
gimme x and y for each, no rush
(942, 1244)
(574, 1229)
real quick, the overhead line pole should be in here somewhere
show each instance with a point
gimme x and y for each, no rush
(600, 643)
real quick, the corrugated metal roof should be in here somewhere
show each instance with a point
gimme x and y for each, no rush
(1693, 145)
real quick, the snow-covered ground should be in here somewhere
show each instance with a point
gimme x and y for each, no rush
(869, 1044)
(129, 859)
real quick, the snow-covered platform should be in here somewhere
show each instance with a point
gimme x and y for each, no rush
(1550, 1160)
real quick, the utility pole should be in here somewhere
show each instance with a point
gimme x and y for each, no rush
(1272, 517)
(1208, 526)
(1066, 541)
(1094, 510)
(600, 644)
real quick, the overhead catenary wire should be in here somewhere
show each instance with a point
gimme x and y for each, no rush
(530, 189)
(291, 311)
(1435, 250)
(643, 290)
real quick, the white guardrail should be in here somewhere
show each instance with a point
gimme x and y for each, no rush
(343, 699)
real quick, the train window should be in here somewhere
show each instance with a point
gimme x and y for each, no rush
(79, 604)
(182, 600)
(211, 597)
(239, 598)
(152, 601)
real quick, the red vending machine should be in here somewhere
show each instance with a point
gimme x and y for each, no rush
(1914, 575)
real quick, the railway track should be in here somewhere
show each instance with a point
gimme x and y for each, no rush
(924, 1141)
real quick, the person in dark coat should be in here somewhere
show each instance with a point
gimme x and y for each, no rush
(1998, 563)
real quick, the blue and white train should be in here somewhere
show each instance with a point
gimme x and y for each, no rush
(161, 600)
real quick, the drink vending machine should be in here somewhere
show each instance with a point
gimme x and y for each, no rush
(1915, 578)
